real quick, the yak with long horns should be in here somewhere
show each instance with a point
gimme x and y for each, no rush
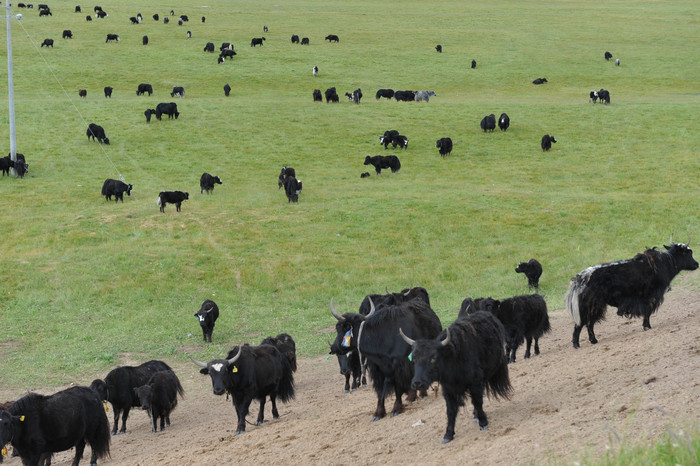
(250, 372)
(634, 286)
(377, 338)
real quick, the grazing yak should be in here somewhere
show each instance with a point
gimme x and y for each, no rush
(394, 138)
(227, 53)
(547, 141)
(178, 91)
(539, 81)
(97, 132)
(332, 38)
(304, 41)
(115, 188)
(77, 9)
(405, 96)
(144, 40)
(386, 93)
(39, 425)
(5, 164)
(295, 39)
(156, 17)
(608, 56)
(593, 96)
(466, 358)
(634, 286)
(112, 37)
(134, 20)
(503, 122)
(350, 366)
(257, 41)
(424, 96)
(207, 183)
(118, 388)
(171, 197)
(169, 109)
(314, 70)
(20, 164)
(438, 47)
(604, 96)
(158, 397)
(380, 161)
(355, 96)
(227, 90)
(488, 123)
(67, 34)
(47, 43)
(207, 315)
(318, 97)
(284, 173)
(473, 64)
(143, 88)
(88, 18)
(292, 188)
(523, 317)
(108, 91)
(332, 95)
(209, 47)
(250, 372)
(364, 175)
(617, 62)
(533, 271)
(376, 337)
(101, 14)
(444, 145)
(82, 93)
(45, 12)
(149, 112)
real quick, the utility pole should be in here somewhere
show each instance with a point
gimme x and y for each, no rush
(11, 87)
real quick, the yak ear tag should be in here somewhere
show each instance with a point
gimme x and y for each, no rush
(21, 418)
(106, 407)
(347, 338)
(410, 356)
(4, 451)
(234, 370)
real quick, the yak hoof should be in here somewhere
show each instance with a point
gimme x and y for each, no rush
(375, 418)
(484, 427)
(446, 439)
(593, 341)
(576, 345)
(240, 431)
(346, 391)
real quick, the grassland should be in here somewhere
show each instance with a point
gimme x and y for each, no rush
(85, 282)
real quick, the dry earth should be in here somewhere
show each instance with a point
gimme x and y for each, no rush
(567, 405)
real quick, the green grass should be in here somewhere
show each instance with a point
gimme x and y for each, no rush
(85, 281)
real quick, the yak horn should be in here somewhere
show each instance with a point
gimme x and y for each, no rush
(371, 308)
(340, 318)
(446, 341)
(405, 338)
(671, 240)
(688, 243)
(235, 358)
(199, 363)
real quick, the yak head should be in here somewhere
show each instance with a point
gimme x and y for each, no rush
(219, 370)
(682, 255)
(347, 329)
(100, 387)
(8, 426)
(129, 187)
(143, 394)
(425, 355)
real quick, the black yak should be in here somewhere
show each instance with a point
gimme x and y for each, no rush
(533, 271)
(634, 286)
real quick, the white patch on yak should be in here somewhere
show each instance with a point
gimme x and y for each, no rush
(217, 367)
(201, 318)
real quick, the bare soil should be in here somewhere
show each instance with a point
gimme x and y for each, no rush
(567, 405)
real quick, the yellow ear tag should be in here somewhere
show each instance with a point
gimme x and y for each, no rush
(4, 451)
(106, 407)
(234, 370)
(21, 418)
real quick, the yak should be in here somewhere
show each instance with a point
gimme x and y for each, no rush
(207, 183)
(636, 287)
(444, 145)
(207, 315)
(39, 425)
(381, 161)
(251, 372)
(115, 188)
(118, 388)
(159, 397)
(533, 271)
(467, 357)
(376, 337)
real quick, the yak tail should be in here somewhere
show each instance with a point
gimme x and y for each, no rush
(285, 391)
(397, 167)
(100, 438)
(159, 201)
(573, 298)
(180, 390)
(498, 385)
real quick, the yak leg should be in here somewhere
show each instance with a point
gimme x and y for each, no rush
(261, 413)
(591, 334)
(577, 333)
(527, 348)
(537, 346)
(273, 400)
(347, 383)
(380, 412)
(125, 414)
(646, 325)
(477, 394)
(242, 411)
(452, 403)
(79, 449)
